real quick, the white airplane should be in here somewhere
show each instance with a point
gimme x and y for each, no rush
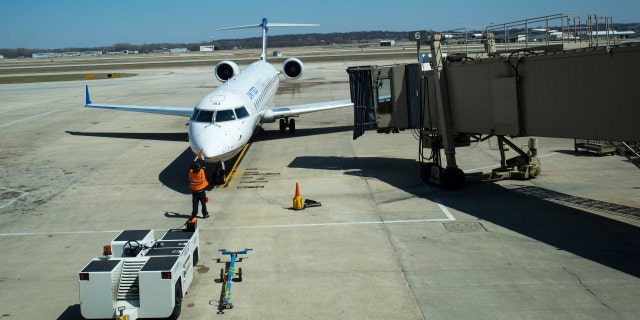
(224, 120)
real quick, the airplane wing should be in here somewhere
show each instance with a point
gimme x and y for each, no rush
(175, 111)
(294, 110)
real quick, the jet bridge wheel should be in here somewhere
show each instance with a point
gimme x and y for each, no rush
(453, 178)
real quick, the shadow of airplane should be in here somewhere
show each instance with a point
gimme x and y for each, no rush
(556, 219)
(161, 136)
(175, 175)
(265, 135)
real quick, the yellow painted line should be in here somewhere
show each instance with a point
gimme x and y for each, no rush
(235, 165)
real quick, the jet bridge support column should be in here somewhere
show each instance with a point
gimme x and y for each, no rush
(452, 176)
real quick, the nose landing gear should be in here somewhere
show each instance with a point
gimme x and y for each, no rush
(219, 174)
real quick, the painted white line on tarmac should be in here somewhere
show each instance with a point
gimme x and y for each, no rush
(449, 217)
(348, 223)
(29, 118)
(57, 233)
(445, 210)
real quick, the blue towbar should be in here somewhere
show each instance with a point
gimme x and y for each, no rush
(226, 276)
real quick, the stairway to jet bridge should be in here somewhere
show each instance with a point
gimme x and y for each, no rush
(585, 93)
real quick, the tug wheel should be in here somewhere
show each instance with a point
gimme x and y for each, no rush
(177, 307)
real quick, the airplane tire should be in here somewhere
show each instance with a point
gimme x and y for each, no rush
(218, 176)
(221, 177)
(292, 126)
(283, 126)
(214, 178)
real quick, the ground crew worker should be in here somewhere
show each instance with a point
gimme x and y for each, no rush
(197, 184)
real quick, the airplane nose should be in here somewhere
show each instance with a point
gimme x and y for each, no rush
(197, 140)
(207, 152)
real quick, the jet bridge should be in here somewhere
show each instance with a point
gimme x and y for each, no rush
(587, 93)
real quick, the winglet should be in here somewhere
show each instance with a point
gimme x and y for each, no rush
(87, 100)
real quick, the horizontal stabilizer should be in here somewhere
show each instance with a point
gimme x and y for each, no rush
(271, 24)
(265, 27)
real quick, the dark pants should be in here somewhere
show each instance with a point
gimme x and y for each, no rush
(199, 196)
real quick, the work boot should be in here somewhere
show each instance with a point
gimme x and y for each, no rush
(206, 215)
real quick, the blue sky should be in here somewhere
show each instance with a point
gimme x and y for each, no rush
(50, 24)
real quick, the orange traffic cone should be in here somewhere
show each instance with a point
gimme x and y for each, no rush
(297, 199)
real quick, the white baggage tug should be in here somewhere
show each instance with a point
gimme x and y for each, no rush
(140, 276)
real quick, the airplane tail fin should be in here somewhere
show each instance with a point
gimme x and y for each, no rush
(265, 27)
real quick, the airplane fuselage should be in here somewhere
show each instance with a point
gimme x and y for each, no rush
(224, 120)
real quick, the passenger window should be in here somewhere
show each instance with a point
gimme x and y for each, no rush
(225, 115)
(241, 112)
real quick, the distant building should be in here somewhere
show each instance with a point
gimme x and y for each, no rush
(160, 50)
(277, 54)
(178, 50)
(387, 43)
(613, 34)
(43, 55)
(91, 53)
(207, 48)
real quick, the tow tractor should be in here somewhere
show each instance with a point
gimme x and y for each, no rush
(140, 276)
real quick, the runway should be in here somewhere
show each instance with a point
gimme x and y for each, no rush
(383, 245)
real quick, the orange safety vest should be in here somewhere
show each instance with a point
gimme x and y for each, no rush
(197, 181)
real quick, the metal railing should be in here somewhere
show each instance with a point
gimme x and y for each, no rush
(585, 29)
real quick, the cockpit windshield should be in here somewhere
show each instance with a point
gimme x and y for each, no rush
(209, 116)
(202, 115)
(225, 115)
(241, 112)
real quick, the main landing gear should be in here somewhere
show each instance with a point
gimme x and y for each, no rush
(286, 122)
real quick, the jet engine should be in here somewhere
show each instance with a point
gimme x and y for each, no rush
(292, 68)
(225, 70)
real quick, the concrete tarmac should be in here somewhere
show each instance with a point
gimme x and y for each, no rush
(383, 245)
